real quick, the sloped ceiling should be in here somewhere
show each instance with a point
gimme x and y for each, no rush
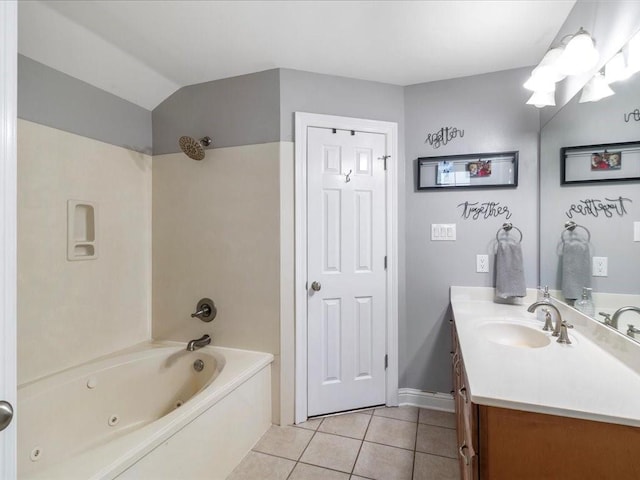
(143, 51)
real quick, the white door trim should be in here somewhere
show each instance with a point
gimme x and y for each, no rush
(8, 192)
(390, 130)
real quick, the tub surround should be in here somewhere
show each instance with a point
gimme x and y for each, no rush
(238, 395)
(596, 378)
(71, 312)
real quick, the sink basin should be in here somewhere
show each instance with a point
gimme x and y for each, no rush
(514, 335)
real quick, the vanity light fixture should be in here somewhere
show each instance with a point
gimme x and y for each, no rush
(575, 55)
(542, 99)
(596, 89)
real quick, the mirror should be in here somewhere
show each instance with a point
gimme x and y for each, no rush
(607, 209)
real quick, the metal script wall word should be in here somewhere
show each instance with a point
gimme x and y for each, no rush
(443, 136)
(595, 207)
(485, 210)
(635, 115)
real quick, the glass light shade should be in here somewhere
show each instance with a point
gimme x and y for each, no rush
(537, 83)
(545, 75)
(542, 99)
(633, 54)
(579, 56)
(596, 89)
(616, 69)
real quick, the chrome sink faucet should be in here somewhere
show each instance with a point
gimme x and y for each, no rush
(620, 311)
(203, 341)
(556, 329)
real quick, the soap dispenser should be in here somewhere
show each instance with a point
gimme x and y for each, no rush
(585, 304)
(544, 297)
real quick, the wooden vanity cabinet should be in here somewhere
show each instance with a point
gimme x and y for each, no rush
(466, 417)
(504, 444)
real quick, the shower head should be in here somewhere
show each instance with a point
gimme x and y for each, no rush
(194, 148)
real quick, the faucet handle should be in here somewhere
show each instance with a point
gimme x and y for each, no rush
(205, 310)
(607, 318)
(548, 325)
(564, 335)
(632, 330)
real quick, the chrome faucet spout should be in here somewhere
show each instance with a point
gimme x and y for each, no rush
(532, 308)
(620, 311)
(203, 341)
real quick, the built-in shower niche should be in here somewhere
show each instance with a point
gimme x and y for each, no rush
(82, 219)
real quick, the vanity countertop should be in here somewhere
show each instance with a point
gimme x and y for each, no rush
(597, 377)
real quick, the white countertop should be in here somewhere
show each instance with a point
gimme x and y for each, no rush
(595, 378)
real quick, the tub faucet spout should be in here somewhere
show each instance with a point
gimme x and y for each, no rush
(198, 343)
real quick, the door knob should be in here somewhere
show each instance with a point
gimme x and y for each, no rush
(6, 414)
(316, 286)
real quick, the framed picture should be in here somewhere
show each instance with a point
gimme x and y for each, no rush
(478, 170)
(611, 162)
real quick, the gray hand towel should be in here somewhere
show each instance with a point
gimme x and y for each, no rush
(576, 267)
(509, 269)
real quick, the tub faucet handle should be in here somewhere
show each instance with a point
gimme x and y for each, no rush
(205, 310)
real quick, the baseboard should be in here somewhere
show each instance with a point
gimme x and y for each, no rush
(418, 398)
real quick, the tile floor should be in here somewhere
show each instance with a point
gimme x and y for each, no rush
(380, 444)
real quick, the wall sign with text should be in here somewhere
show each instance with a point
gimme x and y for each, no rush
(443, 136)
(596, 207)
(484, 210)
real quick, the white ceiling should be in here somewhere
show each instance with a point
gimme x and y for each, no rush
(144, 50)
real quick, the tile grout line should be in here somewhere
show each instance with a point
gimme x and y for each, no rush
(415, 447)
(355, 462)
(304, 450)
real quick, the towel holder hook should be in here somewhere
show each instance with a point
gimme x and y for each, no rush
(506, 227)
(571, 226)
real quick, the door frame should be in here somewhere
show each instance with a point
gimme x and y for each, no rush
(8, 227)
(303, 121)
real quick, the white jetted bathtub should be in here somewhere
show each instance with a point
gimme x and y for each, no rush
(145, 413)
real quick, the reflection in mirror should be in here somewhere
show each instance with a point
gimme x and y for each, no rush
(609, 209)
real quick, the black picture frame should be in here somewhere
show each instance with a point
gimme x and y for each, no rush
(456, 171)
(577, 163)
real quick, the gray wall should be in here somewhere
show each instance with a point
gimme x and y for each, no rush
(330, 95)
(235, 111)
(588, 124)
(52, 98)
(492, 112)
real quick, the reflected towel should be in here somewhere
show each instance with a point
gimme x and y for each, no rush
(576, 267)
(509, 269)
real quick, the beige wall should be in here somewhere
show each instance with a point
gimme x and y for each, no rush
(71, 312)
(216, 234)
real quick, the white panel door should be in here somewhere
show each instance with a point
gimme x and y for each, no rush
(346, 248)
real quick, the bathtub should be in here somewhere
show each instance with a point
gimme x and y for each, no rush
(145, 413)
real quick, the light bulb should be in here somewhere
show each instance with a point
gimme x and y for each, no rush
(616, 69)
(579, 56)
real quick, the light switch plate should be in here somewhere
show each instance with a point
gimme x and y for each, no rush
(443, 232)
(600, 267)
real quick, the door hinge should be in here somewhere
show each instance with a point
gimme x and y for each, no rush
(386, 361)
(385, 262)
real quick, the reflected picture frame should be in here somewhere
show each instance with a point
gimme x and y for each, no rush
(600, 163)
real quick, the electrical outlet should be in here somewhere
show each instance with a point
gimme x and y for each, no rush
(482, 263)
(600, 266)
